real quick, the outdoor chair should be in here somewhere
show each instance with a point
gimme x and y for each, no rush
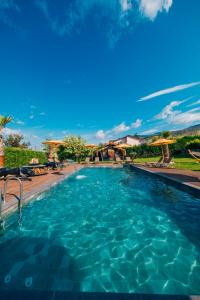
(152, 164)
(164, 164)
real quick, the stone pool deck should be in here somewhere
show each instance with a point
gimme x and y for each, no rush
(34, 185)
(188, 180)
(38, 184)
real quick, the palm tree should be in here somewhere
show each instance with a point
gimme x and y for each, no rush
(4, 120)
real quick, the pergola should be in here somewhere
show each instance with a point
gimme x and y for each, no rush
(53, 147)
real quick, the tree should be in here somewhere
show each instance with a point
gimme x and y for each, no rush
(4, 120)
(75, 149)
(166, 134)
(16, 140)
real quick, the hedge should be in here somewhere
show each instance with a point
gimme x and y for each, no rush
(16, 157)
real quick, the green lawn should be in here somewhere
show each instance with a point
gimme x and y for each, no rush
(180, 162)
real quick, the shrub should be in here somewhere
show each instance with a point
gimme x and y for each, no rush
(144, 150)
(16, 157)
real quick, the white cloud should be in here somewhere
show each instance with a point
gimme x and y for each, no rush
(101, 134)
(118, 129)
(151, 8)
(136, 124)
(125, 5)
(169, 91)
(31, 117)
(178, 117)
(43, 114)
(190, 117)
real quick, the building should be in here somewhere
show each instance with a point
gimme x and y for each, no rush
(132, 140)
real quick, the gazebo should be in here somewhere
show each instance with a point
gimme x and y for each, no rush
(53, 147)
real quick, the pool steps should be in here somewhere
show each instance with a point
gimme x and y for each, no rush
(3, 199)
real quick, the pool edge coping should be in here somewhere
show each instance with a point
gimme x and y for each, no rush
(186, 187)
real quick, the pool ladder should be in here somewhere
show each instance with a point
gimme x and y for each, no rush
(3, 197)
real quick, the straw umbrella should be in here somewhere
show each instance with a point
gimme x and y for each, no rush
(53, 147)
(123, 148)
(164, 143)
(93, 148)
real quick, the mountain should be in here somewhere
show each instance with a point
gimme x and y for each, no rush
(192, 130)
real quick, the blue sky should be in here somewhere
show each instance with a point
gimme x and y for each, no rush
(99, 68)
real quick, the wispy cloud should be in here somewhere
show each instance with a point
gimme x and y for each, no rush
(168, 111)
(122, 15)
(194, 103)
(118, 129)
(19, 122)
(187, 118)
(150, 131)
(9, 4)
(5, 7)
(169, 91)
(178, 117)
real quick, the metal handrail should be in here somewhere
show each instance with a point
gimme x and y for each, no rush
(20, 199)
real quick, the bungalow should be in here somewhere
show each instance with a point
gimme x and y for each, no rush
(132, 140)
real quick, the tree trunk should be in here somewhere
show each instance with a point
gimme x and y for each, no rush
(166, 154)
(1, 151)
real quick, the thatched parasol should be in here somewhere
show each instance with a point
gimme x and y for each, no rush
(164, 143)
(53, 146)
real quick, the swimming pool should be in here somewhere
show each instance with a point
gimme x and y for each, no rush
(105, 229)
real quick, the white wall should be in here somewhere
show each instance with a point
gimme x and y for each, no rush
(133, 142)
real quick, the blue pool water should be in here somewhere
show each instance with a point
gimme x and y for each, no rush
(104, 229)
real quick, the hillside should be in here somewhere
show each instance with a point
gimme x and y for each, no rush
(192, 130)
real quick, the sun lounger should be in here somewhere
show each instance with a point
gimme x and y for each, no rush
(22, 172)
(164, 164)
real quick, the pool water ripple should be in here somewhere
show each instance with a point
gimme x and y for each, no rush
(106, 230)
